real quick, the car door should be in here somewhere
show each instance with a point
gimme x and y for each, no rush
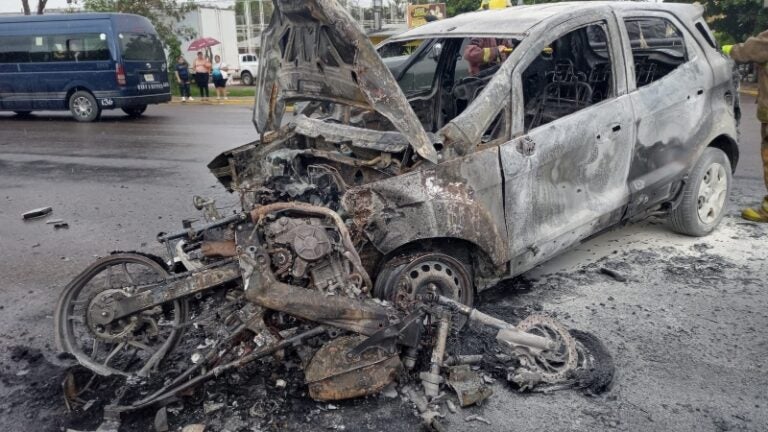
(565, 177)
(669, 82)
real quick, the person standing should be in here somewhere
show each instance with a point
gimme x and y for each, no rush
(755, 50)
(202, 70)
(220, 75)
(182, 77)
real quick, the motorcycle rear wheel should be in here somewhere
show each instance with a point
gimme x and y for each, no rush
(132, 346)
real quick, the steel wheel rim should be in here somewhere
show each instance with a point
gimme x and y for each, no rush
(712, 193)
(69, 318)
(83, 106)
(446, 273)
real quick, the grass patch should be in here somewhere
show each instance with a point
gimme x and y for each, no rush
(232, 91)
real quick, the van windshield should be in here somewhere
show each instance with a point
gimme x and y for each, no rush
(140, 46)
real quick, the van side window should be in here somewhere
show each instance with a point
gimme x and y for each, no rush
(65, 47)
(658, 48)
(572, 73)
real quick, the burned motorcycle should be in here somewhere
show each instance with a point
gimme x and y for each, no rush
(286, 276)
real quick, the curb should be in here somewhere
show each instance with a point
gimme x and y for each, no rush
(230, 101)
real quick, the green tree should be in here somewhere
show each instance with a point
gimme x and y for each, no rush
(40, 6)
(735, 20)
(455, 7)
(165, 15)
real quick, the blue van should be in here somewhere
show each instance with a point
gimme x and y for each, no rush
(85, 62)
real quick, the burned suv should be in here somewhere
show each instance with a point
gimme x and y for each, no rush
(387, 188)
(602, 113)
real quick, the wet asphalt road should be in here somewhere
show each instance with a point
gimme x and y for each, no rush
(120, 181)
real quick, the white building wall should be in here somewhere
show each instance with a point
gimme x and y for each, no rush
(218, 24)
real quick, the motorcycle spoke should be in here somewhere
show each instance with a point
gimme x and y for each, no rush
(113, 353)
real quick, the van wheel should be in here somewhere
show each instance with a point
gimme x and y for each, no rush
(84, 106)
(704, 195)
(23, 113)
(404, 277)
(135, 111)
(246, 78)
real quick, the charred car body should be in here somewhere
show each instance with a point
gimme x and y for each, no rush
(374, 209)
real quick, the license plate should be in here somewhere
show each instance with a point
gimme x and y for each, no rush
(149, 77)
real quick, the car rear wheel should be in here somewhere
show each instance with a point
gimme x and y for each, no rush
(84, 107)
(246, 78)
(135, 111)
(704, 196)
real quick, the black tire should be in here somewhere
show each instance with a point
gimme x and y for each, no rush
(23, 113)
(135, 111)
(705, 195)
(246, 79)
(404, 276)
(73, 303)
(83, 106)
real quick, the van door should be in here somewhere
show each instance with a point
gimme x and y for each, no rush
(143, 62)
(565, 178)
(14, 51)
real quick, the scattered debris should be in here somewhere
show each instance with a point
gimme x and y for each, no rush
(54, 221)
(161, 420)
(62, 225)
(477, 418)
(281, 383)
(451, 406)
(613, 273)
(194, 428)
(469, 386)
(211, 407)
(37, 213)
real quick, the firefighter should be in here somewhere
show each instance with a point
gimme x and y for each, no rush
(755, 50)
(482, 53)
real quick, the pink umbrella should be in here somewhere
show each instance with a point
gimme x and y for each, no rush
(201, 43)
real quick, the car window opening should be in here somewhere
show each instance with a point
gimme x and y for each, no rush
(658, 48)
(572, 73)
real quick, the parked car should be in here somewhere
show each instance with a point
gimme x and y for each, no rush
(248, 70)
(85, 63)
(602, 114)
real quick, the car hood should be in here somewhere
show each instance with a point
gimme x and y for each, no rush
(313, 50)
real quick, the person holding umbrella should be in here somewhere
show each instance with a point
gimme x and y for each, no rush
(202, 71)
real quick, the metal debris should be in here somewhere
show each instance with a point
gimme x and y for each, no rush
(37, 213)
(613, 273)
(469, 386)
(161, 420)
(477, 418)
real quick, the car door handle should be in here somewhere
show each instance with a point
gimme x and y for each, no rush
(616, 128)
(699, 92)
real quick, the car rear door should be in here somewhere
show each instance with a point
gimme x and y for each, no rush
(565, 177)
(670, 79)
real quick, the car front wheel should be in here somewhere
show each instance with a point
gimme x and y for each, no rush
(704, 196)
(84, 107)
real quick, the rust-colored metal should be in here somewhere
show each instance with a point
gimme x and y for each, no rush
(261, 211)
(219, 248)
(332, 376)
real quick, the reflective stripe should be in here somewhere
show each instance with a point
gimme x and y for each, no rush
(486, 55)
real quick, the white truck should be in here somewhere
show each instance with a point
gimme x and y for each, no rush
(248, 70)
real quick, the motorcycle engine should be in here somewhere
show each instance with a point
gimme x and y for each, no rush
(307, 251)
